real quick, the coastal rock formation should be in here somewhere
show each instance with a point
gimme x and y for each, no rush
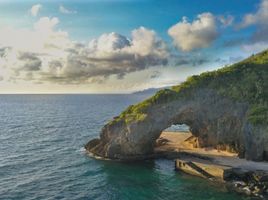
(226, 108)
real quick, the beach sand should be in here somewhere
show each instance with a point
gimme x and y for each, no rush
(177, 142)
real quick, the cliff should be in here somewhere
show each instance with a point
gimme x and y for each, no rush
(227, 107)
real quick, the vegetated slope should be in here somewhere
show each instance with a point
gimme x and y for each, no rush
(246, 81)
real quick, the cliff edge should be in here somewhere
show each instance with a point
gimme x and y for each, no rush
(227, 107)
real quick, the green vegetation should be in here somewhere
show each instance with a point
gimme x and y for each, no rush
(258, 114)
(246, 81)
(138, 112)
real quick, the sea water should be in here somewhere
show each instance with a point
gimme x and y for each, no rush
(42, 154)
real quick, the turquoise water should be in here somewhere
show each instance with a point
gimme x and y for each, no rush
(42, 155)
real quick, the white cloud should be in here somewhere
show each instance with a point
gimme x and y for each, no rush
(35, 9)
(198, 34)
(64, 10)
(111, 54)
(255, 47)
(46, 24)
(259, 39)
(109, 42)
(52, 57)
(44, 39)
(226, 20)
(260, 17)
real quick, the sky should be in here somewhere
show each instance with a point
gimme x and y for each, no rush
(121, 46)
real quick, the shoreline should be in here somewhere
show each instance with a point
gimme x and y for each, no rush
(242, 176)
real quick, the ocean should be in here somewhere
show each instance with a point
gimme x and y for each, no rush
(42, 154)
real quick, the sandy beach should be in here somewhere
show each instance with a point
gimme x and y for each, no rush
(177, 142)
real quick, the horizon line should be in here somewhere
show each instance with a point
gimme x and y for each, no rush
(60, 93)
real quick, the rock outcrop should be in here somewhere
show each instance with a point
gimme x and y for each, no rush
(227, 107)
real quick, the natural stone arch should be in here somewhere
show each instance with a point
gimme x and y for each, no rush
(228, 106)
(211, 117)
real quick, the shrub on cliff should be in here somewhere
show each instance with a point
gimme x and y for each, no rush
(245, 81)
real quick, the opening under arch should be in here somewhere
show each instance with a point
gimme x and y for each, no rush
(179, 138)
(175, 138)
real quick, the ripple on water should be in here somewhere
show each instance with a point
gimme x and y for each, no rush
(42, 154)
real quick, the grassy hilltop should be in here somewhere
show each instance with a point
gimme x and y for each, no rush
(245, 81)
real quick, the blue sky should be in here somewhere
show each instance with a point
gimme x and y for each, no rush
(96, 17)
(111, 46)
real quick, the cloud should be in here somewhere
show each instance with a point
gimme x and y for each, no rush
(254, 47)
(35, 9)
(226, 20)
(109, 42)
(44, 38)
(46, 24)
(258, 41)
(111, 54)
(53, 57)
(64, 10)
(155, 74)
(189, 59)
(260, 17)
(3, 51)
(30, 62)
(233, 42)
(198, 34)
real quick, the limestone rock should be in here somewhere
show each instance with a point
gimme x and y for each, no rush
(225, 108)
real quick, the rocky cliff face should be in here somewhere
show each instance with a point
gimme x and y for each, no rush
(212, 118)
(214, 114)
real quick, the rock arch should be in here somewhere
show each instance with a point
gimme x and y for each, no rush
(212, 118)
(228, 106)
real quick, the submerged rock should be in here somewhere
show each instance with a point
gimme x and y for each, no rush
(251, 183)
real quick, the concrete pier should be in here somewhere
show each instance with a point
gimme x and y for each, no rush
(204, 169)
